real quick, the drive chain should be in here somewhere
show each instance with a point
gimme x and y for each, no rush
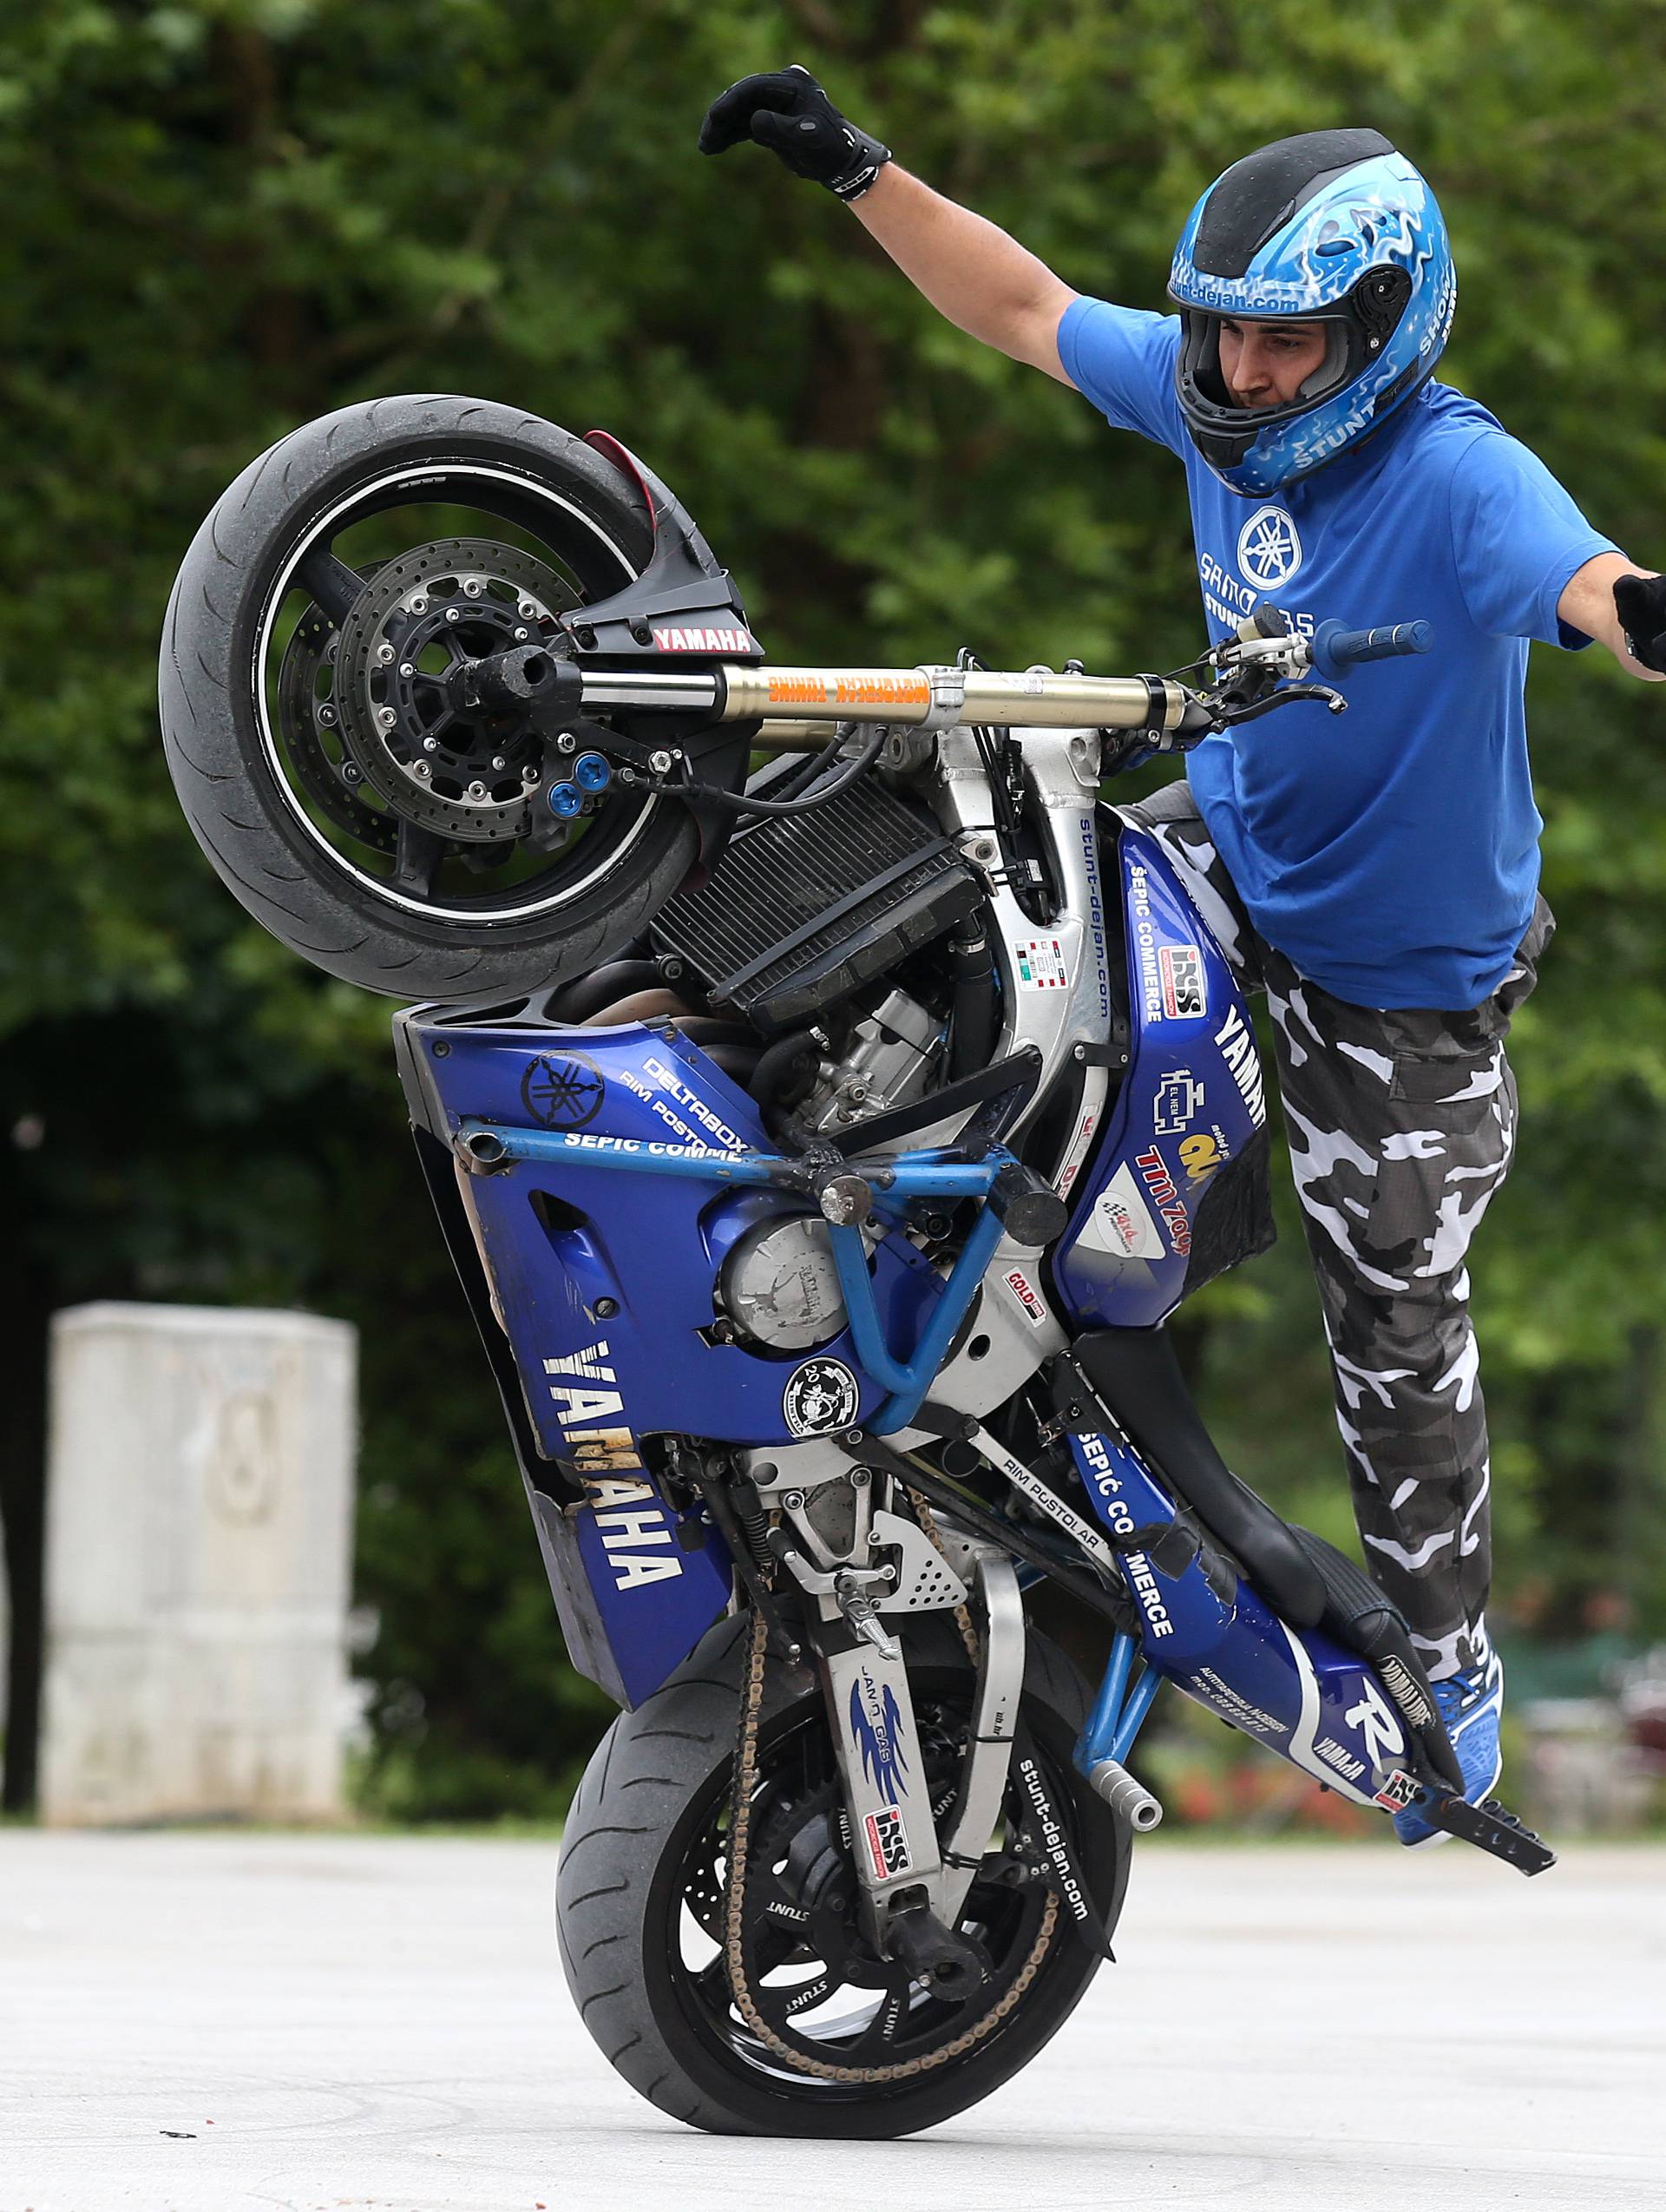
(752, 1707)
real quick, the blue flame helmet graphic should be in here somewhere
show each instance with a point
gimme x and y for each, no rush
(1336, 227)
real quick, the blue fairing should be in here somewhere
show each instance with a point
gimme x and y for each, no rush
(1193, 1099)
(604, 1284)
(1297, 1691)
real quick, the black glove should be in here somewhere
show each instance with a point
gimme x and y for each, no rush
(787, 111)
(1640, 602)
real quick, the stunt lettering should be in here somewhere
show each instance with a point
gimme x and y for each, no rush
(1051, 1836)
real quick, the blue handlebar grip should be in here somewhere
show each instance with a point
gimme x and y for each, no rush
(1335, 650)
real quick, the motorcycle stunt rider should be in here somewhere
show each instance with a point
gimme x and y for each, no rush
(1378, 879)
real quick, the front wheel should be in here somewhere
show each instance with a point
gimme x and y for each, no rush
(641, 1911)
(331, 758)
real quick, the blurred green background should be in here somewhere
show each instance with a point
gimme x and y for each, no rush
(222, 217)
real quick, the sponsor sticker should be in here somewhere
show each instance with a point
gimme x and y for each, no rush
(877, 1725)
(1041, 964)
(1122, 1221)
(1200, 1155)
(1184, 992)
(820, 1397)
(1398, 1792)
(888, 1843)
(1022, 1288)
(1179, 1100)
(1139, 906)
(1338, 1755)
(1159, 1184)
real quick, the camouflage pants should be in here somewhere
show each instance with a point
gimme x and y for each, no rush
(1400, 1124)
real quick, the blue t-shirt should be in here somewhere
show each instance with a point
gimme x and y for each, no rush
(1391, 853)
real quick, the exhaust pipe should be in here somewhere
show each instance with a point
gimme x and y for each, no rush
(1130, 1800)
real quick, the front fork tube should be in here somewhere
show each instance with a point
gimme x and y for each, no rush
(1297, 1691)
(893, 1820)
(893, 1833)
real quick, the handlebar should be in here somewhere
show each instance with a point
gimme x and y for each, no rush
(1334, 649)
(789, 699)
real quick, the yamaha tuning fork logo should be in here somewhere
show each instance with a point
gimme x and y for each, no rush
(1269, 551)
(564, 1092)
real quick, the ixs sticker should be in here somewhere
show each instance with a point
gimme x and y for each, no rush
(877, 1726)
(1398, 1792)
(1184, 992)
(1122, 1221)
(563, 1091)
(1024, 1290)
(1040, 964)
(888, 1843)
(821, 1396)
(1178, 1102)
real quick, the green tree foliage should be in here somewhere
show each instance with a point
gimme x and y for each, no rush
(224, 216)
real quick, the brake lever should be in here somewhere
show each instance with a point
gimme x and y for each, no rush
(1226, 717)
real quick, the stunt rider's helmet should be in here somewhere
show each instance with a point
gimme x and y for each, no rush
(1332, 226)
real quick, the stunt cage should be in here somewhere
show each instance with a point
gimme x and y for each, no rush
(848, 1192)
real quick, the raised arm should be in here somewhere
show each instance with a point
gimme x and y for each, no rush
(1623, 607)
(983, 282)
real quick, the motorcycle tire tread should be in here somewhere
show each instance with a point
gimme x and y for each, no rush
(624, 1822)
(218, 766)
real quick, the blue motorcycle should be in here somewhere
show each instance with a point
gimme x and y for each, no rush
(821, 1149)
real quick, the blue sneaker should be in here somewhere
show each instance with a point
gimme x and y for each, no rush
(1471, 1705)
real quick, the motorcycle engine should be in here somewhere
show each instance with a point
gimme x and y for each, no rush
(779, 1285)
(887, 1062)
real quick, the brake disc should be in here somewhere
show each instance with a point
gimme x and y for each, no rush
(457, 770)
(308, 717)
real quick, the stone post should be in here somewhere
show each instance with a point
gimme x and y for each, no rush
(199, 1553)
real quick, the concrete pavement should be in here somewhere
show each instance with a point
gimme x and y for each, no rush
(218, 2022)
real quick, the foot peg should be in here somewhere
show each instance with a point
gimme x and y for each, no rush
(1490, 1828)
(1130, 1800)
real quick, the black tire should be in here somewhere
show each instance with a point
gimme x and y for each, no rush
(212, 669)
(649, 1789)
